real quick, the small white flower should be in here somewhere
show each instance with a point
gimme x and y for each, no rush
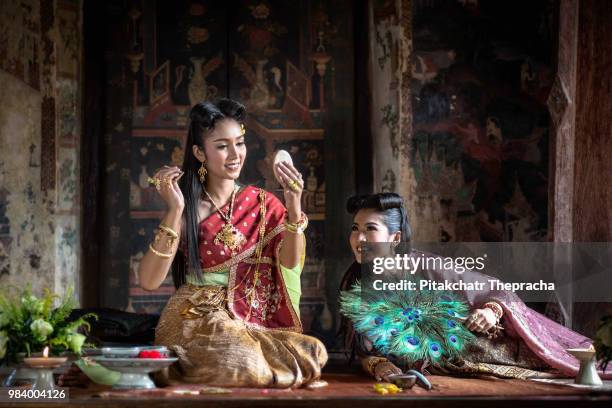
(41, 328)
(32, 304)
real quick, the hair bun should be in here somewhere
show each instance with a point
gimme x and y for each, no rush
(391, 200)
(206, 114)
(380, 201)
(396, 221)
(232, 109)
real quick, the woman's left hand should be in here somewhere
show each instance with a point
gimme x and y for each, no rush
(384, 370)
(481, 320)
(293, 185)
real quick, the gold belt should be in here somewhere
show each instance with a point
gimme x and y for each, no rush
(204, 300)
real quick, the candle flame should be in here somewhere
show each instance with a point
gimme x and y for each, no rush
(46, 352)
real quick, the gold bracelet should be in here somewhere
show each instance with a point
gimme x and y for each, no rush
(496, 308)
(170, 232)
(373, 362)
(160, 254)
(297, 227)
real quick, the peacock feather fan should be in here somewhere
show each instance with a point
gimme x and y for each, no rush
(409, 325)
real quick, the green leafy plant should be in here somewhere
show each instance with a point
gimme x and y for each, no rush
(603, 342)
(29, 323)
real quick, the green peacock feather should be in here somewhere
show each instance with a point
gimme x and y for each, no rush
(409, 325)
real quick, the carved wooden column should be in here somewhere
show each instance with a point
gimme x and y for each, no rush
(580, 106)
(562, 107)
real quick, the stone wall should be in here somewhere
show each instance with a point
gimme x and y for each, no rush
(40, 60)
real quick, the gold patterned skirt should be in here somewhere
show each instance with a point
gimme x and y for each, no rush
(215, 349)
(503, 357)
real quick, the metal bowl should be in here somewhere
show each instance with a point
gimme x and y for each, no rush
(405, 381)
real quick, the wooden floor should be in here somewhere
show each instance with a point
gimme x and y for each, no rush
(349, 390)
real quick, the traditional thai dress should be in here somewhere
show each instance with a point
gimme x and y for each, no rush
(532, 345)
(239, 326)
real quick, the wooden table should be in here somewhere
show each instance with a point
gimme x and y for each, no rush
(348, 390)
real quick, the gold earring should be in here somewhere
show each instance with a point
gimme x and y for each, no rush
(202, 173)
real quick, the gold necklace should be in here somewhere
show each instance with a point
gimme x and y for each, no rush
(229, 235)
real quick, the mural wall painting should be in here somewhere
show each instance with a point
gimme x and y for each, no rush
(473, 163)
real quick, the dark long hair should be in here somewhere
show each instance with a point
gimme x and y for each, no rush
(391, 206)
(203, 118)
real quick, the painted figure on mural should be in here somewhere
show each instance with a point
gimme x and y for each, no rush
(485, 101)
(512, 340)
(236, 254)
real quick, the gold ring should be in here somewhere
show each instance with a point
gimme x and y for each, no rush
(294, 185)
(154, 181)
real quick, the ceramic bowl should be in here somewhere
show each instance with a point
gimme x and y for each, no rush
(134, 371)
(130, 352)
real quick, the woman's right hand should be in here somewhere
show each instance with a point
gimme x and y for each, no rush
(384, 370)
(168, 187)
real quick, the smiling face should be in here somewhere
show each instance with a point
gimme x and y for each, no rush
(224, 150)
(369, 226)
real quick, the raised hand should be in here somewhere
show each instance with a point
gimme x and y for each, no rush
(165, 181)
(293, 185)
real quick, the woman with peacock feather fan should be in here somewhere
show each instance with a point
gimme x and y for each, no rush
(463, 333)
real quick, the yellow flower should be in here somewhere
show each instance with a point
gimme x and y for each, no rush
(386, 388)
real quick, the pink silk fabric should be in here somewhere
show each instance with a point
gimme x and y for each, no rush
(545, 337)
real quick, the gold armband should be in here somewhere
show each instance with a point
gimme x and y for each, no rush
(160, 254)
(169, 232)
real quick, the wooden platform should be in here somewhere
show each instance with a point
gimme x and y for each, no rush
(350, 390)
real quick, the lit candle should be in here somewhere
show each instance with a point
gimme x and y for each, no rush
(45, 366)
(45, 361)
